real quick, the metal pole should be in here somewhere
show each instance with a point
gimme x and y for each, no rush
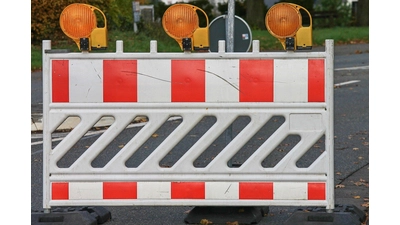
(230, 22)
(136, 16)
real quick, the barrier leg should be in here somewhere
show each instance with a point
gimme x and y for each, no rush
(71, 216)
(341, 215)
(222, 214)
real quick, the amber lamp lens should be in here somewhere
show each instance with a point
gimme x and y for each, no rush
(78, 21)
(180, 21)
(283, 20)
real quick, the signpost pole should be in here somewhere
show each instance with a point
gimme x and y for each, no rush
(230, 23)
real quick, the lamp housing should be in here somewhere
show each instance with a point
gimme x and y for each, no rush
(181, 22)
(79, 22)
(291, 24)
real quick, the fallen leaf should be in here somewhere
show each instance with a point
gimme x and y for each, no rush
(349, 137)
(121, 146)
(154, 135)
(356, 197)
(205, 222)
(232, 223)
(340, 186)
(365, 204)
(355, 149)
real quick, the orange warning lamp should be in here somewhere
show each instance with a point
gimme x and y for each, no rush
(284, 21)
(181, 22)
(79, 22)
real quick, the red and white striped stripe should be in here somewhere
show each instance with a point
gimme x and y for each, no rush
(188, 190)
(209, 80)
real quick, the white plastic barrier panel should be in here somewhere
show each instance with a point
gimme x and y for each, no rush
(296, 87)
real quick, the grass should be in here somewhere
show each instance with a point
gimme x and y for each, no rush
(140, 42)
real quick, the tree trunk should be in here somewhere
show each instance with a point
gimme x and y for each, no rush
(363, 13)
(255, 14)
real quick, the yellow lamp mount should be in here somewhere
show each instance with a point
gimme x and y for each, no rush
(285, 22)
(79, 22)
(181, 22)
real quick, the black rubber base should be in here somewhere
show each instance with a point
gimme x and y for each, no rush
(72, 216)
(342, 215)
(223, 215)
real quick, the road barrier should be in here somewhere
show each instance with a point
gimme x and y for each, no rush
(184, 90)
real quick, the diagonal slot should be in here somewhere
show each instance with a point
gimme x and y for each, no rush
(92, 133)
(221, 141)
(64, 129)
(281, 151)
(312, 154)
(153, 141)
(256, 141)
(188, 141)
(119, 141)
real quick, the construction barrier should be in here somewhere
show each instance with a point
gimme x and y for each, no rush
(294, 86)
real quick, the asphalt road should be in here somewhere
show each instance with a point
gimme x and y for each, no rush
(351, 119)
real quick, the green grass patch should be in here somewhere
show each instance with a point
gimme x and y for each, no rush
(341, 35)
(140, 42)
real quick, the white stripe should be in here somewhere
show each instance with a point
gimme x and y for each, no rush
(222, 80)
(154, 190)
(85, 190)
(346, 83)
(154, 80)
(290, 80)
(353, 68)
(222, 190)
(290, 191)
(86, 80)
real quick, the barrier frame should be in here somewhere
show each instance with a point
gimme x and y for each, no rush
(147, 176)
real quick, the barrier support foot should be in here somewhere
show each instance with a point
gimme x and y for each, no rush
(341, 215)
(223, 214)
(71, 216)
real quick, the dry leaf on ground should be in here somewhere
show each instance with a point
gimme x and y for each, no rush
(339, 186)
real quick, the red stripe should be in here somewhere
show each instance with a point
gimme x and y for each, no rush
(316, 80)
(119, 190)
(187, 190)
(120, 80)
(256, 190)
(188, 80)
(59, 191)
(316, 191)
(256, 80)
(60, 81)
